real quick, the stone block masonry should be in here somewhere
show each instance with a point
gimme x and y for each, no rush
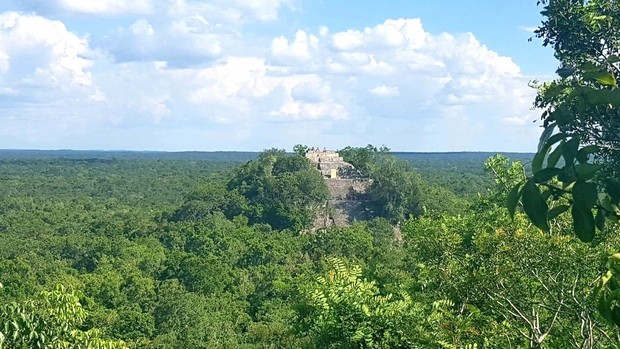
(347, 189)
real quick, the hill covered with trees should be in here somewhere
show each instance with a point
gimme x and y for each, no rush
(120, 252)
(214, 254)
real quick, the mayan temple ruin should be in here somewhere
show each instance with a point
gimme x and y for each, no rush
(347, 188)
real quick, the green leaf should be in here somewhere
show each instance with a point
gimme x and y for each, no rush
(599, 221)
(554, 90)
(562, 115)
(604, 78)
(585, 195)
(587, 171)
(558, 210)
(565, 72)
(546, 174)
(601, 96)
(590, 67)
(534, 205)
(603, 303)
(612, 187)
(584, 153)
(544, 137)
(513, 200)
(566, 177)
(556, 138)
(604, 308)
(613, 59)
(538, 159)
(583, 224)
(569, 151)
(555, 155)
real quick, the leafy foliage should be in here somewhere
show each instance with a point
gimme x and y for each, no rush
(398, 191)
(583, 105)
(281, 190)
(52, 320)
(174, 254)
(342, 310)
(577, 166)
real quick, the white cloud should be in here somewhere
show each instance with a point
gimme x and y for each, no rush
(41, 53)
(230, 10)
(107, 7)
(190, 32)
(233, 12)
(90, 7)
(264, 10)
(246, 87)
(392, 33)
(142, 28)
(221, 10)
(300, 50)
(180, 32)
(348, 40)
(385, 91)
(183, 41)
(181, 70)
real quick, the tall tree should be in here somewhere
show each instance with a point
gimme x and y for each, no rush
(581, 119)
(52, 320)
(282, 190)
(341, 310)
(577, 163)
(584, 102)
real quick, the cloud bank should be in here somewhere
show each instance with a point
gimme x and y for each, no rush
(182, 74)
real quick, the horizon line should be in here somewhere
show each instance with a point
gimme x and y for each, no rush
(244, 151)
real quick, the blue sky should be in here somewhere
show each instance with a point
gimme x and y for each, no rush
(438, 75)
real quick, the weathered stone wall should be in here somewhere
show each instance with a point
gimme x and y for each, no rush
(326, 167)
(320, 156)
(343, 189)
(348, 191)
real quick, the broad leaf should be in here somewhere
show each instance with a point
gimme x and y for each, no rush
(604, 78)
(544, 137)
(613, 59)
(555, 138)
(599, 221)
(538, 159)
(565, 72)
(562, 115)
(567, 177)
(569, 151)
(590, 67)
(587, 171)
(554, 90)
(534, 205)
(585, 195)
(558, 210)
(555, 155)
(584, 153)
(583, 224)
(603, 305)
(546, 174)
(513, 200)
(612, 187)
(601, 97)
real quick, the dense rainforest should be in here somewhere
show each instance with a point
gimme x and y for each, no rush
(152, 253)
(105, 250)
